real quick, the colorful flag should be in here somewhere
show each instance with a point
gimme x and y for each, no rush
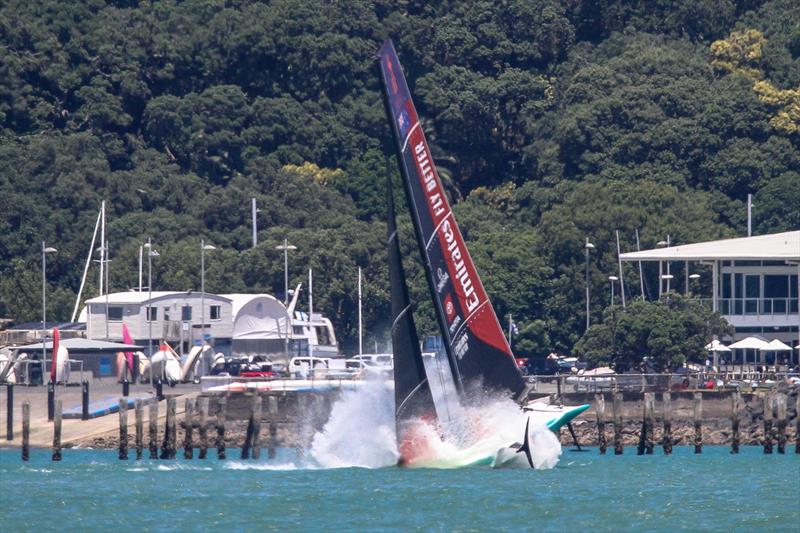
(127, 339)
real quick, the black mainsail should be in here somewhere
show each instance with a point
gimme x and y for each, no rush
(412, 393)
(475, 343)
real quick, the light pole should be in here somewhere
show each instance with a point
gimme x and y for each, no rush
(203, 248)
(285, 247)
(45, 250)
(661, 244)
(692, 277)
(667, 277)
(150, 255)
(588, 246)
(612, 279)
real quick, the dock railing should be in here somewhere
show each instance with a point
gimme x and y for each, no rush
(738, 377)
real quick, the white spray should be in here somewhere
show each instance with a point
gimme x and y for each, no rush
(361, 433)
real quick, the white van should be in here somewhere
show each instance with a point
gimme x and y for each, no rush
(299, 366)
(383, 360)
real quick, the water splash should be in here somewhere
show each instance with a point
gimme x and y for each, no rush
(360, 431)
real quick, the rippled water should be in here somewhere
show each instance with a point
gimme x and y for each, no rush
(93, 491)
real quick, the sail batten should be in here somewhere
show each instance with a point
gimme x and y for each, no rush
(474, 341)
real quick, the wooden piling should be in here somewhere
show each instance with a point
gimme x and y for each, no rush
(600, 413)
(666, 441)
(188, 431)
(221, 404)
(272, 406)
(139, 439)
(797, 426)
(257, 403)
(736, 405)
(617, 412)
(123, 429)
(780, 406)
(10, 411)
(168, 443)
(768, 423)
(649, 409)
(273, 440)
(697, 418)
(152, 420)
(172, 428)
(203, 404)
(248, 438)
(26, 429)
(57, 432)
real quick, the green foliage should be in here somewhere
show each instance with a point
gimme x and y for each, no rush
(652, 336)
(550, 121)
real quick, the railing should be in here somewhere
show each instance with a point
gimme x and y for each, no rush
(757, 306)
(740, 377)
(239, 383)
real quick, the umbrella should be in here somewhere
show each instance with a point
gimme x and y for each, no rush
(776, 346)
(716, 346)
(749, 343)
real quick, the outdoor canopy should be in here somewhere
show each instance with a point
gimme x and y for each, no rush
(776, 346)
(81, 345)
(716, 346)
(749, 343)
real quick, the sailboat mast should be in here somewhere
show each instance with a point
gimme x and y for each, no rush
(86, 268)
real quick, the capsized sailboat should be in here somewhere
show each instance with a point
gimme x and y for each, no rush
(479, 360)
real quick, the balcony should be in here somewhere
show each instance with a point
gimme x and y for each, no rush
(757, 306)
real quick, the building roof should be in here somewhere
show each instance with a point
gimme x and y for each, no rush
(136, 297)
(773, 247)
(81, 345)
(239, 300)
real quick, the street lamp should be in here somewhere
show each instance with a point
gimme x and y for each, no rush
(203, 248)
(667, 277)
(662, 244)
(588, 246)
(285, 247)
(692, 277)
(45, 250)
(612, 279)
(151, 253)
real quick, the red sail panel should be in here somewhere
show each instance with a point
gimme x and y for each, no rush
(476, 345)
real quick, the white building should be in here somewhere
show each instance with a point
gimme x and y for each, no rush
(261, 326)
(177, 317)
(754, 281)
(236, 324)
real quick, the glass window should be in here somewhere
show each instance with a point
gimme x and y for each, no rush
(115, 313)
(752, 288)
(297, 330)
(215, 312)
(776, 286)
(748, 263)
(186, 312)
(726, 286)
(166, 314)
(152, 314)
(322, 335)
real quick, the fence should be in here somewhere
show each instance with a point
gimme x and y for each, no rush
(745, 378)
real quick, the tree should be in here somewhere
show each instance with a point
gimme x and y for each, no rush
(661, 335)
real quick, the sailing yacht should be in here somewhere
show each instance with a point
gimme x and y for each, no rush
(477, 362)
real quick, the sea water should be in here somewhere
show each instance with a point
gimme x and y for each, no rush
(91, 490)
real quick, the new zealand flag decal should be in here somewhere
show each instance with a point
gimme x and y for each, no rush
(403, 123)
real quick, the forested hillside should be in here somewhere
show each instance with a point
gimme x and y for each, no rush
(551, 121)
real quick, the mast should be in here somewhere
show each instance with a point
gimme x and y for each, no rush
(411, 389)
(476, 345)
